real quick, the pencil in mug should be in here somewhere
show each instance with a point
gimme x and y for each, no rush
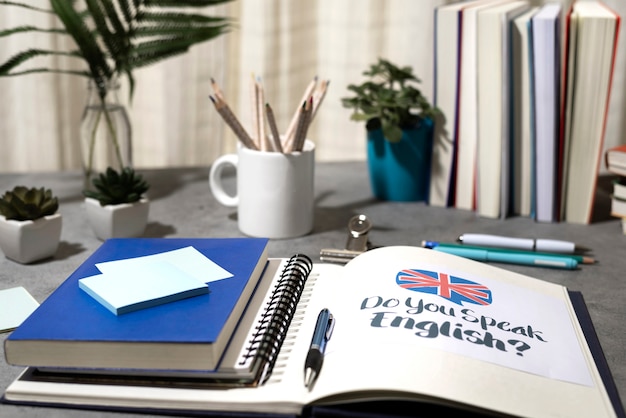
(318, 96)
(291, 129)
(254, 92)
(290, 139)
(263, 141)
(271, 120)
(216, 89)
(231, 120)
(303, 125)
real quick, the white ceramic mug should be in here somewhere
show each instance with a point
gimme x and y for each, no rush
(274, 196)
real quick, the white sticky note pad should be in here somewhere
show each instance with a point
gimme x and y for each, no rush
(187, 259)
(16, 304)
(141, 285)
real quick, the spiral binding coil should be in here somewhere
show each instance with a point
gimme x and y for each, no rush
(272, 327)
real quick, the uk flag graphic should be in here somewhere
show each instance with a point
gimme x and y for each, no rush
(452, 288)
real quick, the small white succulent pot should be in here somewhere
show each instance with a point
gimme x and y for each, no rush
(124, 220)
(30, 241)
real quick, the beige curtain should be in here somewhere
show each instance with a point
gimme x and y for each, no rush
(283, 42)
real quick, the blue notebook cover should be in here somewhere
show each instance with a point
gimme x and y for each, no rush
(69, 315)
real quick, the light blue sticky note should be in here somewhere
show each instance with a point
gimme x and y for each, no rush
(141, 285)
(16, 304)
(187, 259)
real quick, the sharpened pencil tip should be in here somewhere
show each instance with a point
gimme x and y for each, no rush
(588, 260)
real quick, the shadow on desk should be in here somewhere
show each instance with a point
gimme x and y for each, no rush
(166, 182)
(333, 218)
(329, 218)
(158, 230)
(68, 249)
(602, 204)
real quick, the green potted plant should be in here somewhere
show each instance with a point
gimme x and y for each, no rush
(30, 226)
(399, 124)
(117, 206)
(113, 38)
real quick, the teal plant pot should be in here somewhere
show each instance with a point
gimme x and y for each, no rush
(400, 171)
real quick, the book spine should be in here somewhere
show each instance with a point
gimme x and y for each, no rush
(274, 322)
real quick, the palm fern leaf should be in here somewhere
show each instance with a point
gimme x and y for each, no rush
(22, 29)
(18, 59)
(86, 42)
(114, 37)
(180, 3)
(23, 5)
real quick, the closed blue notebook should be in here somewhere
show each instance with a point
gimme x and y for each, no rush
(71, 329)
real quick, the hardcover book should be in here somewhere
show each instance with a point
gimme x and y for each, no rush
(467, 132)
(546, 38)
(493, 102)
(522, 132)
(591, 48)
(615, 160)
(447, 57)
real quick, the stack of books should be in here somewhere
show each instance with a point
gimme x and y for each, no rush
(615, 159)
(525, 93)
(159, 307)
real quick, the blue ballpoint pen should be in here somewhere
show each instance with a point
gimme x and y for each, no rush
(505, 256)
(315, 357)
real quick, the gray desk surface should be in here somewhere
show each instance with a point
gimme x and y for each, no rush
(182, 206)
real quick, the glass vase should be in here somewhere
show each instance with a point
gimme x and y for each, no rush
(105, 132)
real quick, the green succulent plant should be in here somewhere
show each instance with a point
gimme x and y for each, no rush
(28, 204)
(113, 187)
(388, 99)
